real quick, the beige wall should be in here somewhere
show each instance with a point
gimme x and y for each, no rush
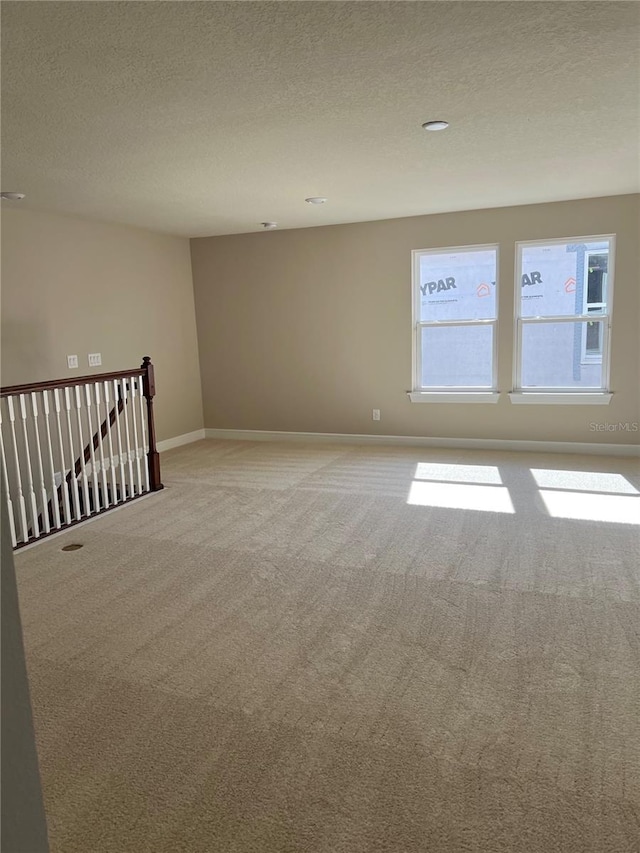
(71, 286)
(310, 329)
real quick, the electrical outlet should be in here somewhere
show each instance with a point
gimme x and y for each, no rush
(95, 359)
(72, 361)
(376, 414)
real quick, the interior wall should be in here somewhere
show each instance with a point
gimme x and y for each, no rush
(72, 286)
(23, 825)
(310, 329)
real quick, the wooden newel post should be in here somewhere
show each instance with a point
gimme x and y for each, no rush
(149, 391)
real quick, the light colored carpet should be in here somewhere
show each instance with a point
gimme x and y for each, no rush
(280, 654)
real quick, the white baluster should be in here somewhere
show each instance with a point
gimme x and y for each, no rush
(112, 464)
(72, 467)
(103, 467)
(145, 448)
(42, 488)
(7, 491)
(66, 502)
(83, 465)
(125, 412)
(134, 392)
(123, 479)
(30, 490)
(22, 508)
(52, 470)
(94, 473)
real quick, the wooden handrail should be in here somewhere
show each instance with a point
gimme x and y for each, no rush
(10, 390)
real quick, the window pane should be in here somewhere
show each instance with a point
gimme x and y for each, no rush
(457, 356)
(562, 278)
(553, 355)
(593, 339)
(596, 277)
(458, 285)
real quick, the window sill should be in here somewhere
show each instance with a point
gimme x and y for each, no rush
(594, 398)
(453, 396)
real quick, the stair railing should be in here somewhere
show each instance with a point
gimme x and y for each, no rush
(77, 447)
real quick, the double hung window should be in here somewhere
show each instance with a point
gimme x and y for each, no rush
(563, 315)
(454, 322)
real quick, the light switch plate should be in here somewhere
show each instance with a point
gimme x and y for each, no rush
(72, 361)
(95, 359)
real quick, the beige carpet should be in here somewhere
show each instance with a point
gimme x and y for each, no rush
(280, 654)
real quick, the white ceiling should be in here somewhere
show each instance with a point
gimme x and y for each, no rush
(200, 118)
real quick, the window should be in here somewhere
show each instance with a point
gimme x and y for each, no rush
(563, 317)
(454, 324)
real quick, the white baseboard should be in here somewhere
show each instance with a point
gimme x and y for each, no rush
(179, 440)
(424, 441)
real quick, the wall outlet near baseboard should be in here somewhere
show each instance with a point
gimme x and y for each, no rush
(95, 359)
(72, 361)
(376, 414)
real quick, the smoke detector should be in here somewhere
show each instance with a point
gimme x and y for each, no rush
(436, 125)
(269, 225)
(316, 199)
(12, 196)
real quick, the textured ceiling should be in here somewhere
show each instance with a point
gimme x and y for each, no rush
(201, 118)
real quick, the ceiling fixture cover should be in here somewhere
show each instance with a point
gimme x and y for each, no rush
(438, 124)
(12, 196)
(316, 199)
(269, 225)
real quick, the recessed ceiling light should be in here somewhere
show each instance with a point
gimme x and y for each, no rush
(12, 196)
(436, 125)
(316, 199)
(269, 225)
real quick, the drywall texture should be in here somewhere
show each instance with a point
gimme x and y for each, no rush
(205, 118)
(310, 329)
(73, 287)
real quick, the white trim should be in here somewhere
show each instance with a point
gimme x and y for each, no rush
(583, 238)
(179, 440)
(562, 398)
(443, 250)
(426, 441)
(564, 318)
(453, 396)
(427, 323)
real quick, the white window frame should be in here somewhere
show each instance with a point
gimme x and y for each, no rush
(449, 393)
(563, 394)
